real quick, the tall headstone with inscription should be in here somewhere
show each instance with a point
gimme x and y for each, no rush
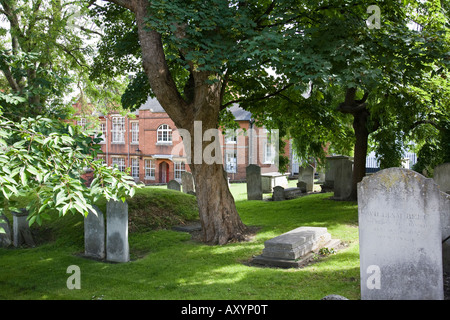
(117, 247)
(306, 174)
(400, 236)
(442, 177)
(187, 181)
(94, 234)
(254, 182)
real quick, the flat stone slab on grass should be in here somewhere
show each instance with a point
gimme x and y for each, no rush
(296, 247)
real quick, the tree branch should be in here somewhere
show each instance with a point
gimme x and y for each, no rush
(128, 4)
(270, 95)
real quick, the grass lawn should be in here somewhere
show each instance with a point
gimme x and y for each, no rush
(169, 265)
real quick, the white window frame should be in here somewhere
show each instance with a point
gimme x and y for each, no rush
(118, 129)
(82, 122)
(150, 169)
(179, 168)
(134, 132)
(230, 136)
(135, 167)
(269, 153)
(120, 161)
(164, 134)
(231, 161)
(102, 129)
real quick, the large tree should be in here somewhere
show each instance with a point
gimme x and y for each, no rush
(191, 51)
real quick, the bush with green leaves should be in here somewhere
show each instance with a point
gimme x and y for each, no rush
(48, 158)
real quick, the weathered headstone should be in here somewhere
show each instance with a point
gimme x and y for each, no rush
(94, 234)
(21, 229)
(278, 194)
(343, 173)
(306, 174)
(187, 182)
(445, 225)
(400, 236)
(5, 232)
(302, 186)
(117, 247)
(254, 184)
(174, 185)
(442, 177)
(294, 248)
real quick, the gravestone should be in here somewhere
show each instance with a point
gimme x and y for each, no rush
(295, 248)
(400, 236)
(445, 224)
(117, 247)
(254, 184)
(343, 173)
(5, 232)
(187, 182)
(94, 234)
(442, 177)
(21, 229)
(306, 174)
(302, 186)
(174, 185)
(278, 194)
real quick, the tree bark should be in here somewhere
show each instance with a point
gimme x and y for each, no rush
(358, 109)
(360, 152)
(218, 214)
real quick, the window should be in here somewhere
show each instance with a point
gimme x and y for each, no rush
(164, 134)
(149, 169)
(82, 122)
(118, 129)
(102, 130)
(120, 162)
(269, 153)
(230, 136)
(230, 161)
(179, 168)
(135, 167)
(134, 132)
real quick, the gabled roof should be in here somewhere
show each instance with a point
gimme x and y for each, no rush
(153, 105)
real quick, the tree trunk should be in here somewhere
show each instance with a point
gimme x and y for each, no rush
(218, 215)
(360, 152)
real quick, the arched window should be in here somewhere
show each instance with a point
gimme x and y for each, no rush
(164, 133)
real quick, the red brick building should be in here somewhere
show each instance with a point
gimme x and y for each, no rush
(149, 143)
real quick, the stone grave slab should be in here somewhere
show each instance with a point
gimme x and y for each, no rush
(294, 248)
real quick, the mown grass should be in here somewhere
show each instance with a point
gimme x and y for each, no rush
(169, 265)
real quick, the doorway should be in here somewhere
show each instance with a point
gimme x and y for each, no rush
(163, 172)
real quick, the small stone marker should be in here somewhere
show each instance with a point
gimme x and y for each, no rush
(442, 177)
(278, 194)
(117, 248)
(343, 173)
(292, 193)
(306, 174)
(254, 184)
(5, 232)
(94, 234)
(174, 185)
(187, 181)
(400, 236)
(294, 248)
(21, 229)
